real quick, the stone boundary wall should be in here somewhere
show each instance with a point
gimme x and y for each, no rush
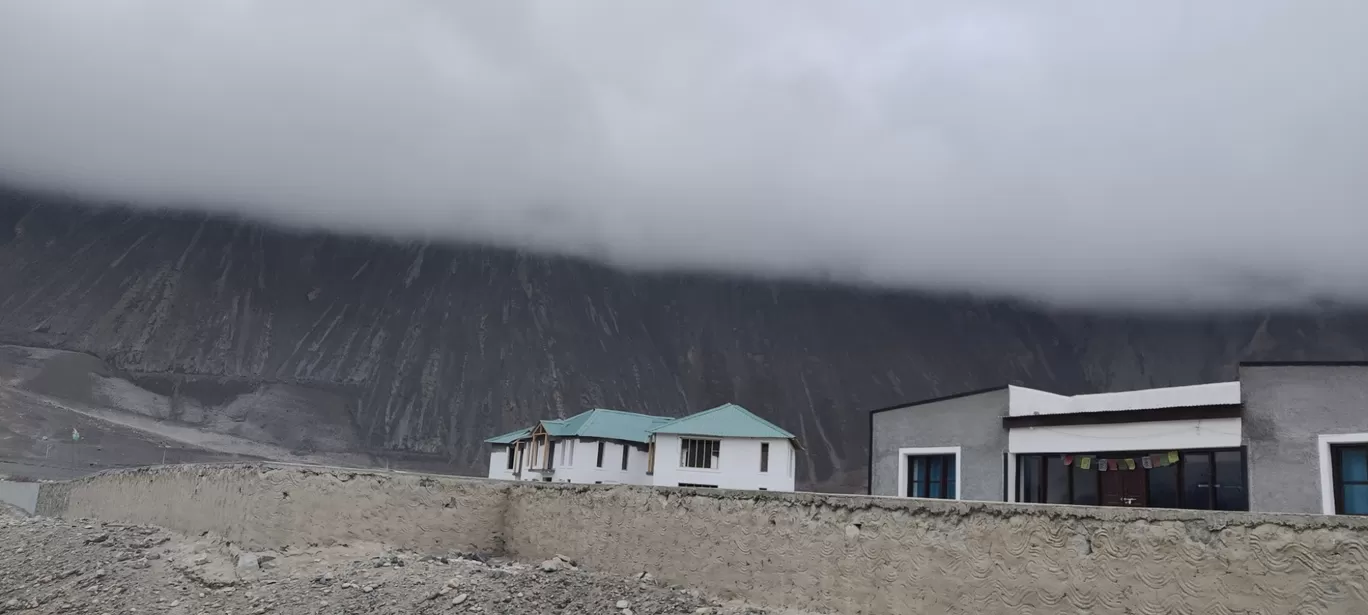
(808, 551)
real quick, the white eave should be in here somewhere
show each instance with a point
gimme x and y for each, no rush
(1024, 402)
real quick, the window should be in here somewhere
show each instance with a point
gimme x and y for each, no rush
(702, 454)
(1202, 479)
(509, 453)
(599, 463)
(931, 476)
(764, 456)
(625, 450)
(1349, 468)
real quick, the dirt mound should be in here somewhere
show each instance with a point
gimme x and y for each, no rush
(54, 566)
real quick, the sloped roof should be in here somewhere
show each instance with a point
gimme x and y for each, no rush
(725, 421)
(606, 424)
(511, 436)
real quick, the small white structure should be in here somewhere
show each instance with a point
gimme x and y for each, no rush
(726, 447)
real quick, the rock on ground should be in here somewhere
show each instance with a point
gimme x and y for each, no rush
(59, 566)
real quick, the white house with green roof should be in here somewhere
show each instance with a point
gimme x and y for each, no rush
(593, 447)
(726, 447)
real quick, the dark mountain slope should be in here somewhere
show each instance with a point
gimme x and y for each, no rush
(441, 347)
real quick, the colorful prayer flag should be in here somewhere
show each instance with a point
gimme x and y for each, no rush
(1068, 460)
(1147, 462)
(1173, 456)
(1130, 464)
(1085, 463)
(1113, 464)
(1157, 460)
(1102, 465)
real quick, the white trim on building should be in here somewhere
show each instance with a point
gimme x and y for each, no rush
(1180, 434)
(904, 453)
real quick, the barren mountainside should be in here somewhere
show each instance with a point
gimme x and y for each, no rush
(425, 350)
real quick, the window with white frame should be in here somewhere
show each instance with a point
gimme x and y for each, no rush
(698, 453)
(929, 473)
(1344, 473)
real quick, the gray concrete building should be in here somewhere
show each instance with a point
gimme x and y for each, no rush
(1285, 437)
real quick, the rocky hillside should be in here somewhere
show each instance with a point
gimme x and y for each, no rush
(430, 349)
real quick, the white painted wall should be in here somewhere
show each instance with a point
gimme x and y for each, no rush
(498, 463)
(738, 465)
(1157, 435)
(1023, 401)
(577, 462)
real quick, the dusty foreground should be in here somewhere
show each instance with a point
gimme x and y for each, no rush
(57, 566)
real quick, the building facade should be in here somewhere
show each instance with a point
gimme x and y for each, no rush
(1285, 437)
(727, 447)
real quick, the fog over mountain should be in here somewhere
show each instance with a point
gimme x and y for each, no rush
(1154, 154)
(378, 233)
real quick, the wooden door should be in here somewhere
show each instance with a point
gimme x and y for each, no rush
(1123, 488)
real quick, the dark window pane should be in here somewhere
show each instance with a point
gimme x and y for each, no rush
(1197, 480)
(1163, 487)
(1084, 486)
(950, 477)
(1353, 464)
(1030, 478)
(1230, 492)
(1056, 480)
(764, 456)
(1356, 499)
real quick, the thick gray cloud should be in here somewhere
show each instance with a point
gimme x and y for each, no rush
(1161, 153)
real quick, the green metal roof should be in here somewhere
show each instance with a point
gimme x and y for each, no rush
(725, 421)
(606, 424)
(511, 436)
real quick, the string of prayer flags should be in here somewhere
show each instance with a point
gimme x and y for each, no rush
(1147, 462)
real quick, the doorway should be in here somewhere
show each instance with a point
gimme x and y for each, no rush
(1123, 488)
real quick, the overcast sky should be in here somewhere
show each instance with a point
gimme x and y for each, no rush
(1160, 153)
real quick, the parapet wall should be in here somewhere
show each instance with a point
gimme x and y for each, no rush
(809, 551)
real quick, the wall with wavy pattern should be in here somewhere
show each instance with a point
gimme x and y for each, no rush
(808, 551)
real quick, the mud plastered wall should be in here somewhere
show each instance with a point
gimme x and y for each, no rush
(818, 552)
(267, 507)
(881, 555)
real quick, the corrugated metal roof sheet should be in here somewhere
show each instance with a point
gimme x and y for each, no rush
(510, 437)
(725, 421)
(606, 424)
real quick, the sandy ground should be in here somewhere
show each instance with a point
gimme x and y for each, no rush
(55, 566)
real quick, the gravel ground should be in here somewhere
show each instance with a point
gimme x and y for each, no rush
(57, 566)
